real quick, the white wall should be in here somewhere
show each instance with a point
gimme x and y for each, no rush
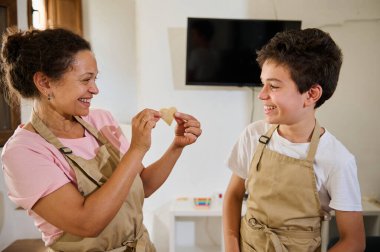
(109, 26)
(140, 47)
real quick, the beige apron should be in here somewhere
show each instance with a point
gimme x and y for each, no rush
(283, 208)
(126, 231)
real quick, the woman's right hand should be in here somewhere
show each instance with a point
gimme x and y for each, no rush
(142, 125)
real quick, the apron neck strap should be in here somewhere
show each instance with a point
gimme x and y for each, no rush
(264, 139)
(314, 142)
(45, 132)
(93, 131)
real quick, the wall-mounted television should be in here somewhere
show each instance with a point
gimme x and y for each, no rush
(222, 52)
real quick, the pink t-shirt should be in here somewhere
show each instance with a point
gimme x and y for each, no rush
(34, 168)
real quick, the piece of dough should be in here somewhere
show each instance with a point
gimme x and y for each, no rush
(167, 114)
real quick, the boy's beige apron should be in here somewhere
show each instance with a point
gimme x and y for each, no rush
(283, 208)
(126, 231)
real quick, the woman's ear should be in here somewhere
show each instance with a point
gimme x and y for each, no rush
(313, 95)
(42, 83)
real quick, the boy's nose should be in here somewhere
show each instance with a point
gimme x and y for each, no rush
(263, 94)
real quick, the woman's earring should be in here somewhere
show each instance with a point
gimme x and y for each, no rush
(49, 97)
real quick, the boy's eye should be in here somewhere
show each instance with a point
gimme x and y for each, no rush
(273, 87)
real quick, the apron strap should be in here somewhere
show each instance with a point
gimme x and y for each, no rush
(46, 133)
(129, 247)
(263, 140)
(97, 134)
(93, 131)
(314, 142)
(274, 233)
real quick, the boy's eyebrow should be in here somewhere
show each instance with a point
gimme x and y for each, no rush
(271, 79)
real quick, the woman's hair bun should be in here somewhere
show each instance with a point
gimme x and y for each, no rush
(13, 42)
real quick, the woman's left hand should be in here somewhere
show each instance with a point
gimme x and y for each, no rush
(187, 131)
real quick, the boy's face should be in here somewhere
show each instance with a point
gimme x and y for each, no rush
(283, 103)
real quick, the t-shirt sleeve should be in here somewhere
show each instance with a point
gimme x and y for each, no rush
(32, 175)
(343, 187)
(240, 157)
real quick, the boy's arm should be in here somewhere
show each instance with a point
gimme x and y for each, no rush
(351, 232)
(232, 213)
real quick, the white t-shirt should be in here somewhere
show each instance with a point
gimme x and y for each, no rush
(334, 165)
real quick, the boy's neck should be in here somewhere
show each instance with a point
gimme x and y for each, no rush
(300, 132)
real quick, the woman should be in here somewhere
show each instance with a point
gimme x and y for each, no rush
(71, 167)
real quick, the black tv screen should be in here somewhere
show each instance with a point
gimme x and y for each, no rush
(222, 52)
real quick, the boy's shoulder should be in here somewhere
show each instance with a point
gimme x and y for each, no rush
(334, 150)
(259, 127)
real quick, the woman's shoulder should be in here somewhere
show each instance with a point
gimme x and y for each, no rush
(24, 142)
(24, 135)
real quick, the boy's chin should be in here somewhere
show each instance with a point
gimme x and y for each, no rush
(271, 120)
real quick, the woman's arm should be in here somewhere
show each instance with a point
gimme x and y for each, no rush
(351, 232)
(232, 203)
(156, 174)
(187, 132)
(87, 216)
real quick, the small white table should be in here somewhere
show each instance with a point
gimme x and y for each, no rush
(184, 210)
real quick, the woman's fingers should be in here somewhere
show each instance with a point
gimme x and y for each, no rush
(147, 118)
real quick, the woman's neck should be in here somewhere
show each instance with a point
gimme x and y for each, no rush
(64, 126)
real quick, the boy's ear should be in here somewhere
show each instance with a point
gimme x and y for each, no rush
(42, 83)
(313, 95)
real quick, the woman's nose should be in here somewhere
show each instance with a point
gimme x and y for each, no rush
(94, 89)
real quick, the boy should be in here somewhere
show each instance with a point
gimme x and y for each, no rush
(293, 170)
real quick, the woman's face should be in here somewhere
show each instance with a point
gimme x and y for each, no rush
(72, 93)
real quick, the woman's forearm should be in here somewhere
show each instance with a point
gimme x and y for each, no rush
(87, 216)
(156, 174)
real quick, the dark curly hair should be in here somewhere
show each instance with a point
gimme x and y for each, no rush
(311, 56)
(23, 54)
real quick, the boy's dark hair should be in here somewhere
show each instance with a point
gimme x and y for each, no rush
(48, 51)
(311, 56)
